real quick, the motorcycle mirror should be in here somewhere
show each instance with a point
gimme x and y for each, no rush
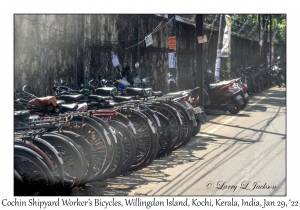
(278, 57)
(137, 65)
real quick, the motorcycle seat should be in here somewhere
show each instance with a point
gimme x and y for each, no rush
(21, 115)
(100, 98)
(219, 84)
(133, 91)
(123, 98)
(71, 98)
(60, 102)
(112, 104)
(157, 93)
(69, 107)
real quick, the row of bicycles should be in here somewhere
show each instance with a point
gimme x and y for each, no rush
(69, 140)
(258, 77)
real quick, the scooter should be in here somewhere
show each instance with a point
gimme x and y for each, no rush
(222, 96)
(244, 94)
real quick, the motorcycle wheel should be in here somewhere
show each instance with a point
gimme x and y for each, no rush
(243, 106)
(233, 107)
(197, 128)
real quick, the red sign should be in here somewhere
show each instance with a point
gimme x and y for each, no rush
(172, 42)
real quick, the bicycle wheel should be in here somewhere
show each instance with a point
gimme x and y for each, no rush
(123, 119)
(174, 118)
(73, 162)
(154, 121)
(52, 153)
(119, 150)
(98, 137)
(165, 135)
(85, 148)
(144, 138)
(36, 149)
(127, 140)
(187, 124)
(34, 172)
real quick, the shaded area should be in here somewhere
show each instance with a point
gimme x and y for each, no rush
(231, 145)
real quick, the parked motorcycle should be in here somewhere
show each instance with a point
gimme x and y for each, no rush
(278, 73)
(223, 96)
(190, 99)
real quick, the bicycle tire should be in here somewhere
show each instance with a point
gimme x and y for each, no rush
(128, 144)
(165, 135)
(123, 119)
(73, 162)
(174, 118)
(33, 147)
(187, 124)
(32, 169)
(100, 141)
(86, 149)
(144, 138)
(153, 119)
(119, 152)
(53, 154)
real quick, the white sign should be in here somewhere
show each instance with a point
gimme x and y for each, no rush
(217, 67)
(115, 60)
(148, 40)
(172, 60)
(202, 39)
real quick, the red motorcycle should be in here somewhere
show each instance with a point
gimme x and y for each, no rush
(222, 96)
(244, 94)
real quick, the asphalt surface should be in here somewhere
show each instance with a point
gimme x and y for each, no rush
(243, 154)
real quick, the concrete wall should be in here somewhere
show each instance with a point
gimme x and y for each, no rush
(49, 47)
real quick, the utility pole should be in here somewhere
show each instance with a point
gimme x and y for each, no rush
(172, 32)
(84, 59)
(220, 41)
(265, 37)
(200, 59)
(270, 40)
(76, 62)
(138, 34)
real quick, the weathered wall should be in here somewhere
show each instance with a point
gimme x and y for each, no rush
(48, 47)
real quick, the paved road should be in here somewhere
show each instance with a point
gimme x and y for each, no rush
(242, 154)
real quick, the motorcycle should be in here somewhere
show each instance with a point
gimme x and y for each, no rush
(243, 87)
(190, 99)
(222, 96)
(278, 73)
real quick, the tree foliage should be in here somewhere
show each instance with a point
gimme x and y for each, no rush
(251, 20)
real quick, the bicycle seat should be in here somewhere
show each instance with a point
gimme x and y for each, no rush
(44, 101)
